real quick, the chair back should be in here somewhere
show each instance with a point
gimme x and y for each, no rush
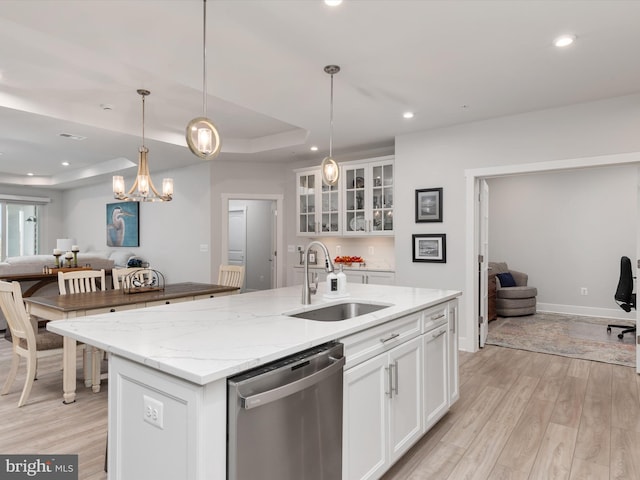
(624, 292)
(231, 275)
(15, 312)
(127, 278)
(81, 281)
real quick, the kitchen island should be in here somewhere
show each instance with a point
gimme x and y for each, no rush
(168, 366)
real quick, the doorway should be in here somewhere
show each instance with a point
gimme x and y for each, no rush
(251, 235)
(474, 184)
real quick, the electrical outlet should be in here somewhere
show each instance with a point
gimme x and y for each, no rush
(338, 249)
(204, 247)
(584, 291)
(371, 250)
(153, 412)
(291, 248)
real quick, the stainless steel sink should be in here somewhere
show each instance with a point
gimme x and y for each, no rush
(340, 311)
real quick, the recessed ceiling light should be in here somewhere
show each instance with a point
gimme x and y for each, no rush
(564, 40)
(72, 136)
(333, 3)
(106, 106)
(314, 148)
(407, 115)
(30, 174)
(65, 164)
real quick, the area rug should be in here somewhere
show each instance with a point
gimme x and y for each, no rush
(567, 335)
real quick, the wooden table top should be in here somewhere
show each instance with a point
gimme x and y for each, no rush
(110, 298)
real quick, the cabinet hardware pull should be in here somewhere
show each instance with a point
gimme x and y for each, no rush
(112, 310)
(436, 317)
(436, 335)
(390, 337)
(395, 365)
(167, 302)
(390, 381)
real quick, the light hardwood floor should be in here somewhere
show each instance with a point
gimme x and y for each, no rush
(521, 415)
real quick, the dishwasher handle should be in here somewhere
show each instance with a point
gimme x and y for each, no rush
(269, 396)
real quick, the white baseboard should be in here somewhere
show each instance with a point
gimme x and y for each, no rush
(617, 314)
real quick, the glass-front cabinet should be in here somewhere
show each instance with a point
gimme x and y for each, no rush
(368, 197)
(317, 205)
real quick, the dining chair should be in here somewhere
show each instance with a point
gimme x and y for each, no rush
(81, 281)
(123, 277)
(27, 341)
(231, 275)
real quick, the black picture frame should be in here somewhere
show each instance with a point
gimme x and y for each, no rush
(429, 205)
(429, 247)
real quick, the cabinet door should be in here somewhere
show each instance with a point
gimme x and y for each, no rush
(436, 380)
(329, 204)
(355, 277)
(306, 203)
(405, 401)
(381, 278)
(382, 197)
(454, 380)
(365, 417)
(355, 187)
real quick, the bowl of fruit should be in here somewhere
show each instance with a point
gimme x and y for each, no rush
(347, 260)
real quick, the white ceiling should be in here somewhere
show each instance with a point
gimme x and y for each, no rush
(448, 61)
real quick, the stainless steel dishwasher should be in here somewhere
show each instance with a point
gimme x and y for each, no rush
(284, 419)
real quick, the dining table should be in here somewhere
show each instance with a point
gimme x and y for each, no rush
(63, 307)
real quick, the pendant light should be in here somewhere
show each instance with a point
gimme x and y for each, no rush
(329, 167)
(202, 135)
(143, 189)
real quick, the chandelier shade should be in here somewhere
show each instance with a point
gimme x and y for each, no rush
(143, 189)
(202, 135)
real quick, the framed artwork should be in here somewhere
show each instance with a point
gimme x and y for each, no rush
(429, 205)
(430, 247)
(123, 224)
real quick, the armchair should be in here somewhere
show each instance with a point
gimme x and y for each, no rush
(514, 297)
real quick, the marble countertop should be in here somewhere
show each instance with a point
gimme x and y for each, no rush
(353, 267)
(207, 340)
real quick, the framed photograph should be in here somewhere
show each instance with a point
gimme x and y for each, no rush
(430, 247)
(429, 205)
(123, 224)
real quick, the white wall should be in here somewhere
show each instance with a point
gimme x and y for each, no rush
(170, 233)
(567, 230)
(439, 158)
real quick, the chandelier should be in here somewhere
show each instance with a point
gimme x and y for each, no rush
(329, 167)
(202, 136)
(143, 189)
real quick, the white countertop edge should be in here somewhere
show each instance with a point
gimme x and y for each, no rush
(224, 320)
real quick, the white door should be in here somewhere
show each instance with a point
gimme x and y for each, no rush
(483, 261)
(237, 236)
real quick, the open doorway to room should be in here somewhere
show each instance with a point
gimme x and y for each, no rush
(251, 235)
(477, 254)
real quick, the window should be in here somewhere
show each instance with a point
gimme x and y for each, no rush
(19, 225)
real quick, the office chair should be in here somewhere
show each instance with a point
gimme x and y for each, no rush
(624, 296)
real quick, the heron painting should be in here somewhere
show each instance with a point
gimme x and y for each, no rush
(123, 224)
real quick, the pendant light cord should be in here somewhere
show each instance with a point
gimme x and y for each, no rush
(331, 121)
(143, 95)
(204, 59)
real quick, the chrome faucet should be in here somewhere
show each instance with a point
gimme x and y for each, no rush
(306, 290)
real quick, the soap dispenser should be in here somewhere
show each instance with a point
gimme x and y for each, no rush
(332, 283)
(342, 282)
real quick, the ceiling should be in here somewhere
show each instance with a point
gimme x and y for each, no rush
(450, 62)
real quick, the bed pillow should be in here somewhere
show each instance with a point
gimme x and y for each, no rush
(506, 279)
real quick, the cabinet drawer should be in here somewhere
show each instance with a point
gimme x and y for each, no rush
(435, 316)
(167, 302)
(364, 345)
(119, 308)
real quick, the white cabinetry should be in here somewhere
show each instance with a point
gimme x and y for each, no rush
(367, 190)
(317, 205)
(454, 380)
(372, 277)
(382, 398)
(436, 379)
